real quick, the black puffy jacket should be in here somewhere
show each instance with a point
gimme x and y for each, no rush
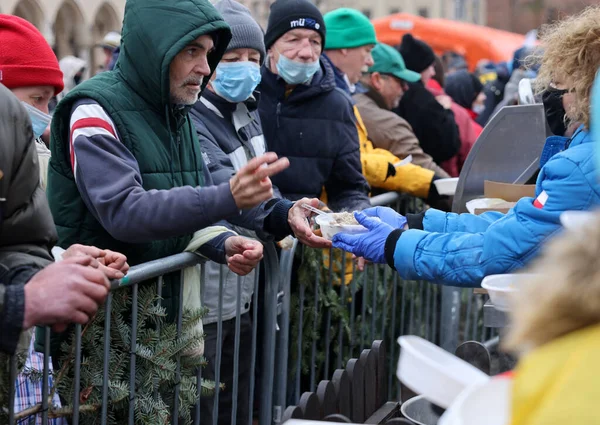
(314, 127)
(434, 126)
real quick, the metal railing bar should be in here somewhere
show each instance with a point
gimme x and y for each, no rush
(254, 344)
(283, 333)
(314, 341)
(77, 377)
(363, 307)
(385, 302)
(236, 352)
(107, 306)
(344, 302)
(328, 311)
(392, 344)
(197, 409)
(403, 306)
(374, 303)
(159, 285)
(352, 308)
(175, 417)
(272, 278)
(157, 268)
(132, 352)
(384, 199)
(219, 353)
(299, 346)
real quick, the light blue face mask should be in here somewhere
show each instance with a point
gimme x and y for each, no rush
(236, 81)
(39, 120)
(296, 72)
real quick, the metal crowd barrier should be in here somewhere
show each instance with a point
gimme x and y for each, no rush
(295, 354)
(138, 277)
(376, 304)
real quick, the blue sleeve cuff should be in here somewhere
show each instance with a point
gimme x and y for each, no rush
(435, 221)
(404, 254)
(215, 248)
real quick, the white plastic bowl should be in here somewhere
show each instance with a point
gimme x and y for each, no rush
(488, 404)
(434, 373)
(500, 287)
(446, 186)
(573, 220)
(329, 230)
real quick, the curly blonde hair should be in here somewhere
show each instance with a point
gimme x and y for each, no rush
(571, 48)
(563, 293)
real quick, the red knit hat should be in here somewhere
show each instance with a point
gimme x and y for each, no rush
(26, 59)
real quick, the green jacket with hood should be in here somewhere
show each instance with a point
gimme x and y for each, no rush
(136, 96)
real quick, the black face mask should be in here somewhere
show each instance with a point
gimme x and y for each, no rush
(555, 111)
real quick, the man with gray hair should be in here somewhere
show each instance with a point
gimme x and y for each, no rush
(230, 133)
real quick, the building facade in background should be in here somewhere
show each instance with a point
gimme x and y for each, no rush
(74, 27)
(463, 10)
(523, 15)
(71, 27)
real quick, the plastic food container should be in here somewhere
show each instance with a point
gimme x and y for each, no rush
(573, 220)
(433, 372)
(446, 186)
(501, 286)
(329, 230)
(489, 403)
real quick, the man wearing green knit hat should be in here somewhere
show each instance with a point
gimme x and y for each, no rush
(350, 39)
(348, 46)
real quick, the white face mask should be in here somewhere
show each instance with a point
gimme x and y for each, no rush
(296, 72)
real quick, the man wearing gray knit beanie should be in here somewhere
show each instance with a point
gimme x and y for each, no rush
(230, 133)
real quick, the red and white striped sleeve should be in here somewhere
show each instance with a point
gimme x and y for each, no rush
(89, 120)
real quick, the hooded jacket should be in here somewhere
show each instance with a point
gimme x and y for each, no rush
(70, 66)
(461, 249)
(136, 96)
(26, 229)
(463, 87)
(314, 126)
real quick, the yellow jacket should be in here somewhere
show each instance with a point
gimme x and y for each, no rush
(409, 178)
(557, 383)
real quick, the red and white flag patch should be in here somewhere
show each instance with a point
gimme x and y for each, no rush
(541, 200)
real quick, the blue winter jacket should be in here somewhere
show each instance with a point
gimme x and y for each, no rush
(461, 249)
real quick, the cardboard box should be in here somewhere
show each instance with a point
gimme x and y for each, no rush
(511, 193)
(508, 192)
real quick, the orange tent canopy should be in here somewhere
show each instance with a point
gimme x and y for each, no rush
(474, 42)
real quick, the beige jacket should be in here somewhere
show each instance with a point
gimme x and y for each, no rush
(393, 133)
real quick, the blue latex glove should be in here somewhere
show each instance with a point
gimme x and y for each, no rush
(371, 245)
(387, 215)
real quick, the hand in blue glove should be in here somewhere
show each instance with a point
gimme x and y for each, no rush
(369, 245)
(387, 215)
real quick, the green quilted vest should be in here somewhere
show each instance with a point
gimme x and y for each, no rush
(136, 97)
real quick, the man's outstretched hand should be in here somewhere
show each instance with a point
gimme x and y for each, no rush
(243, 254)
